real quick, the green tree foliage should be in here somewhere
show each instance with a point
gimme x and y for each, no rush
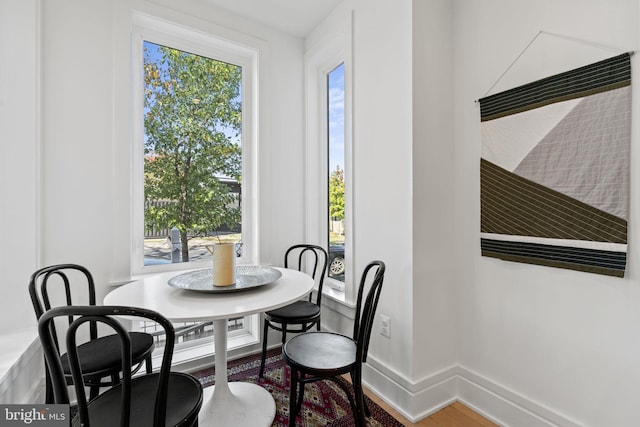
(336, 194)
(192, 116)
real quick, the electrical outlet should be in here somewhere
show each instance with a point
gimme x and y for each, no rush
(385, 326)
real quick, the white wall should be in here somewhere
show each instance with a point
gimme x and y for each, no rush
(554, 340)
(403, 192)
(78, 135)
(19, 174)
(86, 130)
(382, 184)
(20, 47)
(434, 294)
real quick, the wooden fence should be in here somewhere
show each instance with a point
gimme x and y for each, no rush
(160, 233)
(151, 233)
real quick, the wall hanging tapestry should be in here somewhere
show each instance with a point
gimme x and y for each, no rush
(554, 172)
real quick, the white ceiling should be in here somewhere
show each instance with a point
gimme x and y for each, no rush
(295, 17)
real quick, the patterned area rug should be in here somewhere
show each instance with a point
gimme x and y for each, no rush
(325, 404)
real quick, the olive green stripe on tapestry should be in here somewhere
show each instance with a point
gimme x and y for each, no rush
(558, 264)
(513, 205)
(612, 73)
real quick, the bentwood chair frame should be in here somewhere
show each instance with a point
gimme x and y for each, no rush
(302, 315)
(158, 399)
(98, 352)
(315, 356)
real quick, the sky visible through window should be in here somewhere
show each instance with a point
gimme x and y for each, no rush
(336, 118)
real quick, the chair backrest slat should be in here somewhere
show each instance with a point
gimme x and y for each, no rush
(107, 315)
(365, 310)
(76, 371)
(319, 261)
(42, 282)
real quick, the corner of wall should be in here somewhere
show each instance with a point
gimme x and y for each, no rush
(416, 400)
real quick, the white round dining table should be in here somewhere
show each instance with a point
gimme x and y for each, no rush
(225, 404)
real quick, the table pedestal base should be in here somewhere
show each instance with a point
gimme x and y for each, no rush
(246, 405)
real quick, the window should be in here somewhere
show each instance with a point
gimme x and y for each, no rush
(328, 154)
(194, 138)
(336, 184)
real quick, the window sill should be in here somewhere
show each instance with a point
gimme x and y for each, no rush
(202, 354)
(336, 300)
(334, 293)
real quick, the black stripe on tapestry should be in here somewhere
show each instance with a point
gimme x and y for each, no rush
(599, 77)
(590, 260)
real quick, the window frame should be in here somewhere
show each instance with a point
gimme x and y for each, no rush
(237, 49)
(148, 28)
(320, 60)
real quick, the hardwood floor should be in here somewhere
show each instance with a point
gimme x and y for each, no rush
(454, 415)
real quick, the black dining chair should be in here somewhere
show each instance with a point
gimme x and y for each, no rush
(301, 315)
(59, 285)
(315, 356)
(154, 399)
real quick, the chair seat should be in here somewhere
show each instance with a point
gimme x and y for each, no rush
(103, 355)
(321, 353)
(183, 404)
(296, 312)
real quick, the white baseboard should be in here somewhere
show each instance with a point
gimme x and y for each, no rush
(504, 406)
(413, 400)
(419, 399)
